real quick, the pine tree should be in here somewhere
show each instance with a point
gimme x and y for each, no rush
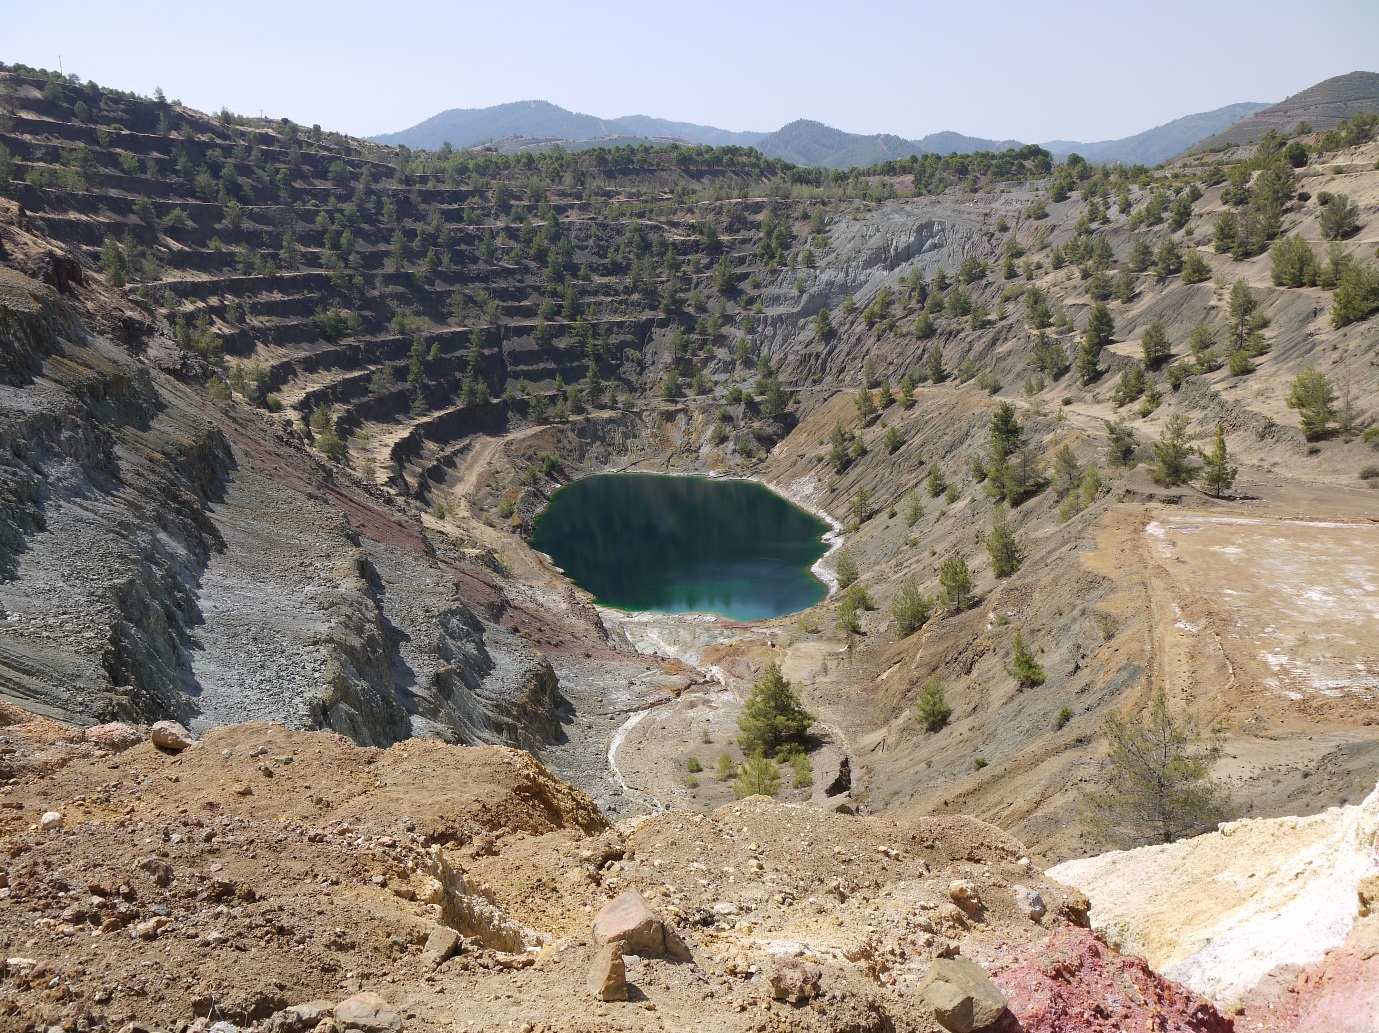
(1242, 307)
(1005, 552)
(1218, 474)
(1120, 444)
(866, 406)
(910, 609)
(1202, 342)
(1125, 287)
(914, 509)
(847, 569)
(955, 580)
(1159, 787)
(1155, 345)
(1023, 667)
(932, 709)
(823, 324)
(1101, 326)
(773, 714)
(1067, 471)
(760, 777)
(1314, 396)
(935, 363)
(1088, 362)
(936, 482)
(1195, 268)
(1037, 312)
(726, 767)
(1173, 463)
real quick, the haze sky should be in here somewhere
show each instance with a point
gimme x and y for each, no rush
(1029, 71)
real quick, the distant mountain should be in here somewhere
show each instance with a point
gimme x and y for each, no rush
(645, 125)
(539, 119)
(539, 125)
(1160, 143)
(812, 143)
(1322, 106)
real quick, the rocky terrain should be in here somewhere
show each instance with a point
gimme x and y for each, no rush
(275, 877)
(279, 406)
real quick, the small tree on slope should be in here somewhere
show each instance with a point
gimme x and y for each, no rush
(1158, 789)
(1218, 474)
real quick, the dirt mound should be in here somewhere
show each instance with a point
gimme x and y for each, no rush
(264, 868)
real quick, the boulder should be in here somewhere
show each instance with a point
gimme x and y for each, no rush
(1030, 902)
(964, 893)
(608, 974)
(368, 1013)
(115, 737)
(440, 944)
(961, 995)
(794, 980)
(310, 1013)
(629, 920)
(169, 735)
(51, 821)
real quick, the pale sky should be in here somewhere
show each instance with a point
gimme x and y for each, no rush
(1032, 71)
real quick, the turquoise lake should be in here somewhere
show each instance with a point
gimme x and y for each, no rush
(639, 541)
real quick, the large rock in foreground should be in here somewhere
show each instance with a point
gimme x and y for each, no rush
(608, 974)
(962, 996)
(169, 735)
(367, 1013)
(628, 919)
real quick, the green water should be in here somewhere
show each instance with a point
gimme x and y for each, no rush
(684, 544)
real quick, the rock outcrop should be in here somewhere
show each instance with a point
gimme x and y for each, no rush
(1219, 912)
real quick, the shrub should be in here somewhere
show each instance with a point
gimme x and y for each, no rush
(846, 568)
(911, 610)
(932, 709)
(726, 767)
(693, 766)
(759, 777)
(1023, 667)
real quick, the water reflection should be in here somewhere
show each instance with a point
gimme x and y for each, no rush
(681, 544)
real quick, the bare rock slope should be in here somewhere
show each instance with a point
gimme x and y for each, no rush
(1257, 901)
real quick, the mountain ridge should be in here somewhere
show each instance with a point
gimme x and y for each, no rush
(539, 124)
(1323, 105)
(469, 127)
(1162, 141)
